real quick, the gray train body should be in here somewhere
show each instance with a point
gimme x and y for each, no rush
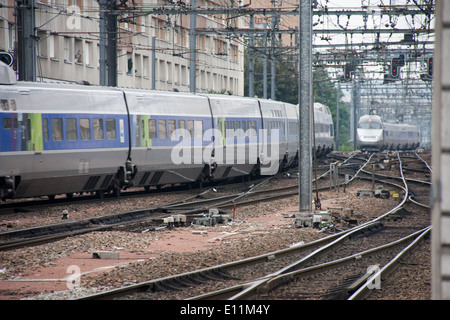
(375, 135)
(66, 139)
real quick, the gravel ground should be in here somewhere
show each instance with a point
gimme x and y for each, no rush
(263, 237)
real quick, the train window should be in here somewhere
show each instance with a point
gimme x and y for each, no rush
(71, 129)
(143, 128)
(253, 129)
(199, 128)
(172, 127)
(5, 105)
(190, 127)
(6, 123)
(369, 125)
(98, 129)
(162, 129)
(57, 129)
(151, 128)
(45, 125)
(244, 126)
(182, 128)
(13, 105)
(232, 125)
(111, 129)
(85, 129)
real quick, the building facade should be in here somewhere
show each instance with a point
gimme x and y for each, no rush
(153, 49)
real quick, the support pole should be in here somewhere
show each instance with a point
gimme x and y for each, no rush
(27, 40)
(265, 64)
(111, 27)
(305, 108)
(193, 48)
(336, 131)
(251, 65)
(153, 63)
(103, 37)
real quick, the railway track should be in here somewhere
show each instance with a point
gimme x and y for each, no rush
(193, 206)
(263, 277)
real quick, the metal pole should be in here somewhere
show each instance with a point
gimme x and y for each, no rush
(305, 107)
(111, 28)
(27, 40)
(272, 57)
(265, 65)
(193, 48)
(251, 65)
(102, 58)
(336, 131)
(153, 63)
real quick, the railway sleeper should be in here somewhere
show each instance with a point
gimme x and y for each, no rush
(168, 285)
(188, 281)
(366, 232)
(343, 290)
(212, 275)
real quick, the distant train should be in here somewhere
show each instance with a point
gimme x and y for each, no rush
(375, 135)
(68, 139)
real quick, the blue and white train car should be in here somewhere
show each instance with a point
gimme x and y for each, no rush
(291, 134)
(237, 122)
(66, 139)
(61, 138)
(375, 135)
(323, 129)
(167, 130)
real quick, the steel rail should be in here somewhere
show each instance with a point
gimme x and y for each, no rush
(253, 288)
(242, 290)
(364, 290)
(272, 281)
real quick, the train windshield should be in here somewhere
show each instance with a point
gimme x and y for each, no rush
(369, 125)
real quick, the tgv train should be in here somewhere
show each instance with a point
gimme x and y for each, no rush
(66, 139)
(375, 135)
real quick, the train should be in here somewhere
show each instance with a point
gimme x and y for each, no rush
(66, 139)
(373, 134)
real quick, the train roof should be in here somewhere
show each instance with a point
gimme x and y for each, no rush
(321, 108)
(7, 74)
(371, 117)
(401, 126)
(388, 125)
